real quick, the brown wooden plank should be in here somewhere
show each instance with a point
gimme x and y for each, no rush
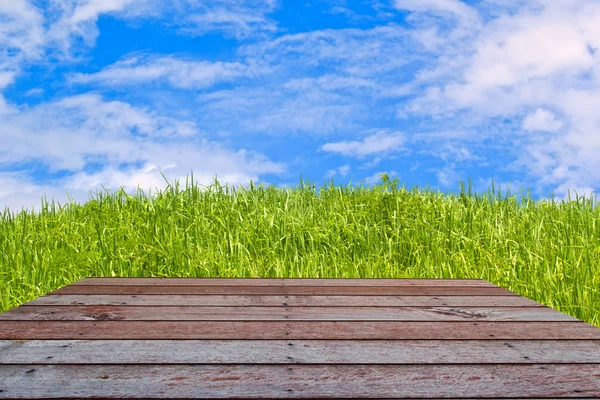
(300, 381)
(367, 282)
(299, 352)
(292, 290)
(291, 301)
(295, 330)
(249, 313)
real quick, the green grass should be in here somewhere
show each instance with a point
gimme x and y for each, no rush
(549, 252)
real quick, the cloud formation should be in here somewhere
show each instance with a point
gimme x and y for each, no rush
(240, 18)
(441, 89)
(84, 142)
(380, 142)
(174, 72)
(455, 8)
(542, 120)
(526, 62)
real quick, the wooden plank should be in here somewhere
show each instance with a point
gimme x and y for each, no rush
(367, 282)
(299, 352)
(299, 381)
(291, 301)
(140, 313)
(292, 290)
(295, 330)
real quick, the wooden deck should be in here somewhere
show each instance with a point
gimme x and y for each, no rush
(292, 338)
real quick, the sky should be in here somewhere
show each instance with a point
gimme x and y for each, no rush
(109, 94)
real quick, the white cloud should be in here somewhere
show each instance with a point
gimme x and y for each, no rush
(17, 191)
(21, 38)
(448, 177)
(503, 60)
(356, 53)
(570, 190)
(21, 31)
(4, 107)
(522, 52)
(542, 120)
(69, 134)
(455, 153)
(531, 48)
(454, 7)
(241, 18)
(71, 20)
(342, 171)
(360, 63)
(332, 82)
(178, 73)
(536, 57)
(71, 25)
(90, 10)
(271, 110)
(358, 66)
(87, 125)
(6, 78)
(34, 92)
(380, 142)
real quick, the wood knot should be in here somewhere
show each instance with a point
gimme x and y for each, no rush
(105, 317)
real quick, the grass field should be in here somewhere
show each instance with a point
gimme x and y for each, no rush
(549, 252)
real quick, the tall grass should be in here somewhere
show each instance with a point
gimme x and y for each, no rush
(549, 252)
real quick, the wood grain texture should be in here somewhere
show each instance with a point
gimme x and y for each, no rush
(319, 282)
(291, 290)
(299, 351)
(249, 313)
(300, 381)
(294, 338)
(441, 330)
(285, 301)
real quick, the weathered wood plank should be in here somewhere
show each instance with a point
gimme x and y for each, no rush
(280, 282)
(292, 290)
(291, 301)
(294, 338)
(441, 330)
(300, 381)
(299, 352)
(174, 313)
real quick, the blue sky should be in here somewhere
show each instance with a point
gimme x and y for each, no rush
(114, 92)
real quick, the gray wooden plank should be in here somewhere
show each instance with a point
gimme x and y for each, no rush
(295, 330)
(281, 282)
(299, 381)
(291, 290)
(249, 313)
(292, 301)
(299, 352)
